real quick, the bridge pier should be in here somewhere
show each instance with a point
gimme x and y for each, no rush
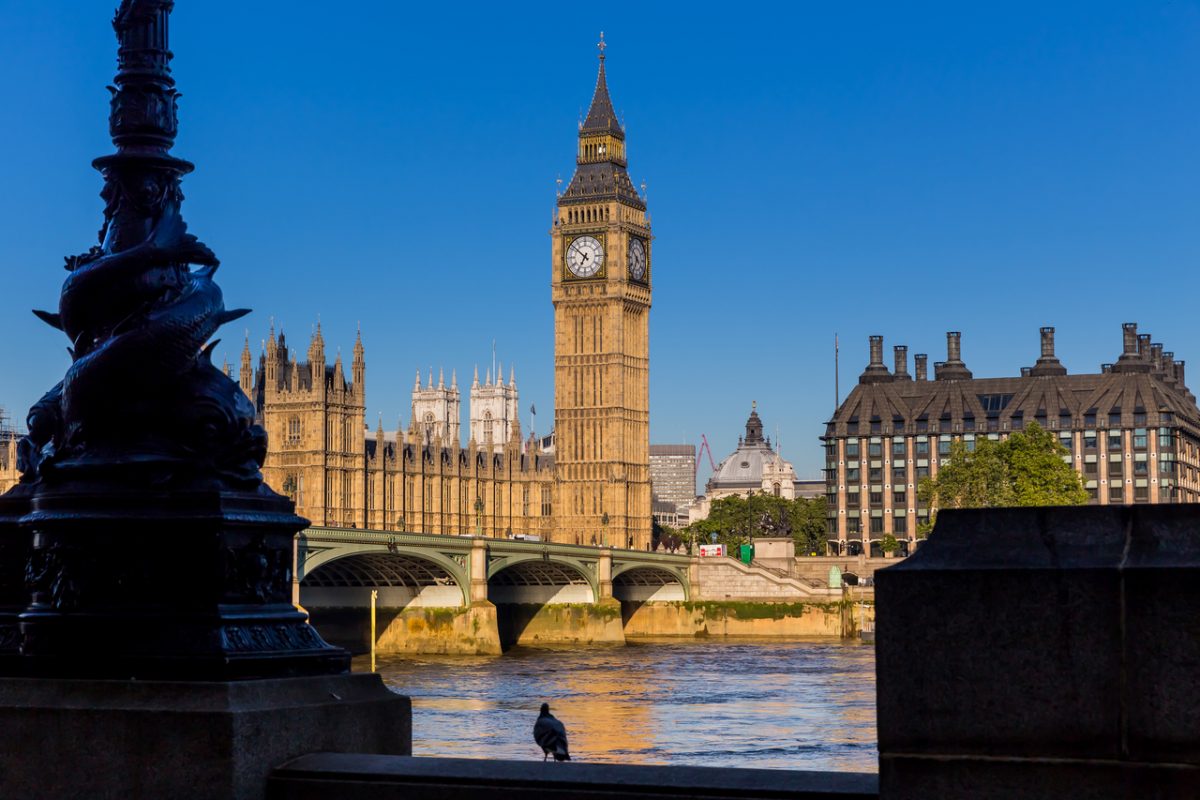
(604, 583)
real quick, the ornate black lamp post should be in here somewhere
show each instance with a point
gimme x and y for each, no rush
(156, 549)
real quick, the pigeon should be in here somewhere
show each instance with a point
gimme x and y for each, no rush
(550, 735)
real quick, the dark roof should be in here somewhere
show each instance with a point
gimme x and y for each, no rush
(601, 180)
(601, 118)
(903, 403)
(673, 450)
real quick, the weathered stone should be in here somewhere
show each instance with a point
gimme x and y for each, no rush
(1042, 652)
(156, 739)
(384, 778)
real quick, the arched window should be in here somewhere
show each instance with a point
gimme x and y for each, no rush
(428, 428)
(293, 434)
(487, 425)
(777, 489)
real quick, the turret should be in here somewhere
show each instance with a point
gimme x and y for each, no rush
(246, 375)
(316, 358)
(359, 367)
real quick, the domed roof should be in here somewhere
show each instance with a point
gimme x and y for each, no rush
(744, 467)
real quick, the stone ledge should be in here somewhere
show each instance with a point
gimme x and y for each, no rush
(327, 775)
(150, 739)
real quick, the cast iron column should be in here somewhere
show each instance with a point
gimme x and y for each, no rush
(157, 551)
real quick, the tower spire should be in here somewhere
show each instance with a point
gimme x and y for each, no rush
(601, 118)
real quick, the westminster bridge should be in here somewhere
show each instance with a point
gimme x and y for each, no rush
(471, 594)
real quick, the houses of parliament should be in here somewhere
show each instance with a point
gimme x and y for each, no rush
(591, 487)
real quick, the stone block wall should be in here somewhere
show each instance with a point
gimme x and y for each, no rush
(1043, 653)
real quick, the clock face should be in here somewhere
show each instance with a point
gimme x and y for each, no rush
(637, 259)
(585, 257)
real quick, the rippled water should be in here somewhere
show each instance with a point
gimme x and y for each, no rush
(786, 705)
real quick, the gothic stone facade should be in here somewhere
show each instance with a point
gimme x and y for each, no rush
(1132, 431)
(594, 489)
(341, 474)
(9, 476)
(601, 270)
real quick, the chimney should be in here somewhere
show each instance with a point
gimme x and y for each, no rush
(1048, 363)
(938, 366)
(1105, 368)
(1131, 359)
(1144, 345)
(1179, 372)
(875, 372)
(1026, 372)
(1156, 351)
(900, 352)
(953, 369)
(1129, 338)
(919, 362)
(1047, 342)
(953, 346)
(1168, 366)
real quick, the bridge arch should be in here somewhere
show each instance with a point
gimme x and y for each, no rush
(641, 583)
(346, 577)
(542, 580)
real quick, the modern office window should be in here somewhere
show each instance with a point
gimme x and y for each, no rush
(1116, 494)
(1114, 440)
(900, 524)
(898, 448)
(875, 448)
(851, 448)
(922, 446)
(899, 498)
(876, 524)
(1089, 440)
(1139, 438)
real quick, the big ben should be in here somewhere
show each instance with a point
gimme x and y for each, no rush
(601, 282)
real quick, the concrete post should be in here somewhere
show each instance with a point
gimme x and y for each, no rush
(604, 575)
(477, 570)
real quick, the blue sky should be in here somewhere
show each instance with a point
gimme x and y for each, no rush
(858, 168)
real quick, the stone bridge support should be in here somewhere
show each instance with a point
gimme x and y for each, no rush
(604, 575)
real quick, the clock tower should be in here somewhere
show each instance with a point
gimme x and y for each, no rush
(601, 278)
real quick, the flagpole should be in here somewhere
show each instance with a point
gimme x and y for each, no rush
(837, 394)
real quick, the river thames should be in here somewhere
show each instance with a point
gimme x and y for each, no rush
(737, 703)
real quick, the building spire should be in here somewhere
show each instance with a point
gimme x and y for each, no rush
(601, 118)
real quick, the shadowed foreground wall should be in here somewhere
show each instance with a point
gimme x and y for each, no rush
(1043, 653)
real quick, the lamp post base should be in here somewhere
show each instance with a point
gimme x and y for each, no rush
(153, 739)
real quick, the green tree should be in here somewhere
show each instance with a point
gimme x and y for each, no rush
(807, 516)
(736, 520)
(1026, 469)
(1037, 472)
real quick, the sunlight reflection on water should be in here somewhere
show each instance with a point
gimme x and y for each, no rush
(760, 703)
